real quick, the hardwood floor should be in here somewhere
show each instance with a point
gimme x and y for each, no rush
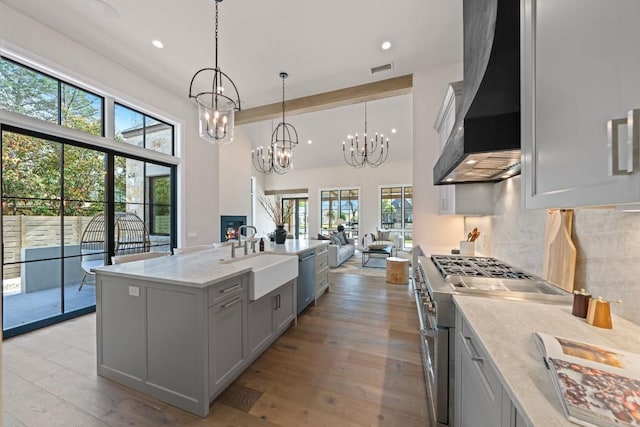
(352, 360)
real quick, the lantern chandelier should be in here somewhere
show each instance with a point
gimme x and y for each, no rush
(372, 152)
(215, 108)
(278, 157)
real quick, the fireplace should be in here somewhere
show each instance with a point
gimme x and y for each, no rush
(229, 225)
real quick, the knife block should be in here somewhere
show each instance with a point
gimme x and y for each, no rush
(467, 248)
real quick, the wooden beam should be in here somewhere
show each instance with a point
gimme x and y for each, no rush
(322, 101)
(286, 191)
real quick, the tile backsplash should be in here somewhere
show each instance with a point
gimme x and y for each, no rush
(607, 243)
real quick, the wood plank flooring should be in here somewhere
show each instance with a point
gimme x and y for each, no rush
(352, 360)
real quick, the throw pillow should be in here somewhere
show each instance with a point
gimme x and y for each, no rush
(383, 235)
(335, 240)
(322, 237)
(342, 237)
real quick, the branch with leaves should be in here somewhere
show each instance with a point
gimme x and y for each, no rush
(278, 213)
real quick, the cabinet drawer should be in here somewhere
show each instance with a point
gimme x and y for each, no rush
(322, 274)
(322, 261)
(322, 282)
(227, 288)
(322, 250)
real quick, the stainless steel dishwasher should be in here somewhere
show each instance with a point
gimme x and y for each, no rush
(306, 279)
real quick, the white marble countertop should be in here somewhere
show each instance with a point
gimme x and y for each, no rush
(506, 328)
(200, 269)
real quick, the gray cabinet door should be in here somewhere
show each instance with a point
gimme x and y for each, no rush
(475, 403)
(227, 350)
(260, 323)
(581, 64)
(285, 306)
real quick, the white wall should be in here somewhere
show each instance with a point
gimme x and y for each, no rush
(198, 175)
(606, 242)
(368, 180)
(235, 172)
(433, 232)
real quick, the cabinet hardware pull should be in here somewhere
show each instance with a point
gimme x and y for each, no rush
(229, 304)
(613, 147)
(232, 288)
(633, 137)
(278, 297)
(474, 354)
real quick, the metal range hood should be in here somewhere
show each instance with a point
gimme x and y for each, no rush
(484, 145)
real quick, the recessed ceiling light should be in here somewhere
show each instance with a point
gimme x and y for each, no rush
(394, 130)
(449, 179)
(105, 9)
(505, 176)
(386, 45)
(471, 162)
(158, 44)
(309, 142)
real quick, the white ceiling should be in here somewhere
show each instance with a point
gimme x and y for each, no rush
(323, 45)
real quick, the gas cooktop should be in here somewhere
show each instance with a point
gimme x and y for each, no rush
(468, 266)
(491, 277)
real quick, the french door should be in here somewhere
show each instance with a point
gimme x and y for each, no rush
(298, 224)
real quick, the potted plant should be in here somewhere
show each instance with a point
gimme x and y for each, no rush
(279, 213)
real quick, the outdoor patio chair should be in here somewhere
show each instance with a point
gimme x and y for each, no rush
(130, 237)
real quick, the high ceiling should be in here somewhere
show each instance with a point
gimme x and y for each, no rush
(323, 45)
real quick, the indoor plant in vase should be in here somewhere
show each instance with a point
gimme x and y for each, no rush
(279, 212)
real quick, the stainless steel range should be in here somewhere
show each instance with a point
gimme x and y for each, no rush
(435, 280)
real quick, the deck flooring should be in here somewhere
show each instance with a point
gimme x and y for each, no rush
(352, 360)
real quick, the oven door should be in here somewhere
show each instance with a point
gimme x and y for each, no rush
(428, 339)
(434, 343)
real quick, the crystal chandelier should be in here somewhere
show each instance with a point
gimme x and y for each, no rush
(215, 108)
(278, 157)
(360, 153)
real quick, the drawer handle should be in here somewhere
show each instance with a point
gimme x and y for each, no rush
(229, 304)
(232, 288)
(613, 145)
(474, 354)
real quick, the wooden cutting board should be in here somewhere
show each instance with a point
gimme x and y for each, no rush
(559, 265)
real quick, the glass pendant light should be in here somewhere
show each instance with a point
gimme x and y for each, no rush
(216, 102)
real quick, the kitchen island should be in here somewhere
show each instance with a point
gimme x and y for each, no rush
(501, 331)
(181, 328)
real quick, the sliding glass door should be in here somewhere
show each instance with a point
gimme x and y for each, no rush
(60, 199)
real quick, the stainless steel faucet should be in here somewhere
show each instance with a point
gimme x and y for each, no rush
(240, 244)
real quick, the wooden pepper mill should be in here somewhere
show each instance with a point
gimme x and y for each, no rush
(599, 313)
(580, 303)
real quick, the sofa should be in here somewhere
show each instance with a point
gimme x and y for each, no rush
(340, 253)
(341, 248)
(383, 237)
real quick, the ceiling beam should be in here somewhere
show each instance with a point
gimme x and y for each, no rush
(323, 101)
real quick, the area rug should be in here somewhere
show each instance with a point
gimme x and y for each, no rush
(377, 266)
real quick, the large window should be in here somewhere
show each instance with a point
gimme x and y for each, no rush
(340, 207)
(396, 211)
(35, 94)
(61, 196)
(135, 128)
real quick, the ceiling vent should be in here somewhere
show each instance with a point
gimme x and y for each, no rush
(381, 68)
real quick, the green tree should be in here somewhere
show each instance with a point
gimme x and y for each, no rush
(31, 167)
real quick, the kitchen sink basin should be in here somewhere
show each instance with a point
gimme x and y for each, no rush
(268, 272)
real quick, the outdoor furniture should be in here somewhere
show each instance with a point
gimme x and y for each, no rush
(375, 251)
(130, 237)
